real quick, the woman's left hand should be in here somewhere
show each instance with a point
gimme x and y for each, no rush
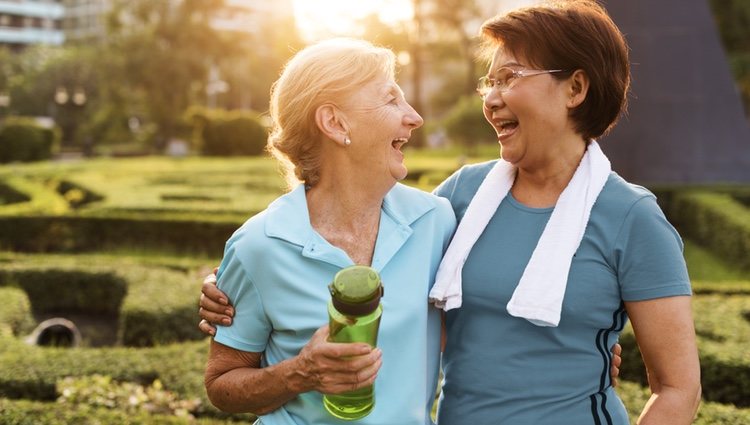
(614, 371)
(215, 308)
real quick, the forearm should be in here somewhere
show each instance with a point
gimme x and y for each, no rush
(255, 390)
(671, 405)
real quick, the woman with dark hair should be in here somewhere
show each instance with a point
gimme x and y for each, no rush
(569, 252)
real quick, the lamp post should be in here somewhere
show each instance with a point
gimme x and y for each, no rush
(71, 101)
(4, 104)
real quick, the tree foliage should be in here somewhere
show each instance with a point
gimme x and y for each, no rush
(733, 22)
(168, 48)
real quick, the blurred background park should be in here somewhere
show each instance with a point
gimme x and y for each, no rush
(131, 146)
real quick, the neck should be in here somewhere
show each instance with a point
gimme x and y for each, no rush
(540, 186)
(343, 201)
(347, 215)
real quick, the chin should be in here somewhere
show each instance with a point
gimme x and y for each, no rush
(399, 174)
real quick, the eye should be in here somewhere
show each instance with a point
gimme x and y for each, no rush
(506, 76)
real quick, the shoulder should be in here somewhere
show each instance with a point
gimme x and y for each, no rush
(471, 175)
(634, 213)
(464, 181)
(460, 187)
(618, 195)
(283, 215)
(414, 201)
(250, 234)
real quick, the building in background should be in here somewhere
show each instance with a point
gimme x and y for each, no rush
(85, 20)
(27, 22)
(247, 16)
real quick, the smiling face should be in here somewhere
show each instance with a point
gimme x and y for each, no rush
(531, 117)
(380, 122)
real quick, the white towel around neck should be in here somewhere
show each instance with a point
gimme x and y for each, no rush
(539, 295)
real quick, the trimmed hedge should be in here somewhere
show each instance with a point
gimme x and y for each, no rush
(161, 308)
(24, 412)
(134, 293)
(714, 220)
(723, 334)
(70, 290)
(82, 233)
(228, 133)
(9, 195)
(32, 373)
(24, 140)
(15, 314)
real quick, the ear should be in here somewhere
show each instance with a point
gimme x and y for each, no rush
(330, 122)
(578, 88)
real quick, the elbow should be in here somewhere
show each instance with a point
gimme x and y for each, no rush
(225, 399)
(219, 395)
(216, 395)
(698, 395)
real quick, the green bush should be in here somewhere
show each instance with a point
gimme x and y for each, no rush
(15, 314)
(35, 373)
(160, 308)
(228, 133)
(81, 233)
(134, 294)
(102, 391)
(714, 220)
(25, 412)
(69, 290)
(9, 195)
(466, 125)
(25, 140)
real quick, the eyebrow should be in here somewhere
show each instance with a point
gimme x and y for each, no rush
(505, 65)
(391, 89)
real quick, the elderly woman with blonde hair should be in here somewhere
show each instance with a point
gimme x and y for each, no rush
(339, 122)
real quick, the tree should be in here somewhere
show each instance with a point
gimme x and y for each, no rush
(167, 48)
(733, 22)
(456, 16)
(466, 125)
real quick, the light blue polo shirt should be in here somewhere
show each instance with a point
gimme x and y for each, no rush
(501, 369)
(276, 270)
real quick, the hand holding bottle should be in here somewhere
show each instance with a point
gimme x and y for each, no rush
(335, 368)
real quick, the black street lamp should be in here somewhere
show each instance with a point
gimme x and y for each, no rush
(72, 102)
(4, 104)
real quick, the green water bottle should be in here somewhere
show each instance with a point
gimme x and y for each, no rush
(354, 316)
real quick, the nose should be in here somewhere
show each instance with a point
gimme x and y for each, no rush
(493, 100)
(412, 118)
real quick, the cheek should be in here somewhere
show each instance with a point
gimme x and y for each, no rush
(487, 113)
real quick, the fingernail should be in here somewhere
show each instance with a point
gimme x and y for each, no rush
(223, 301)
(228, 312)
(226, 321)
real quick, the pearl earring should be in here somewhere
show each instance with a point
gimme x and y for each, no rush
(347, 141)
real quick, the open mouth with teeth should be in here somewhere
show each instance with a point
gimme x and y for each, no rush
(506, 128)
(397, 143)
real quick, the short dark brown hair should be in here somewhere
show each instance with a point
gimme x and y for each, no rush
(570, 35)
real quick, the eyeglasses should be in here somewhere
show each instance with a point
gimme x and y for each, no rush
(506, 78)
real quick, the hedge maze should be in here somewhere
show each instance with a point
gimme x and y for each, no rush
(120, 247)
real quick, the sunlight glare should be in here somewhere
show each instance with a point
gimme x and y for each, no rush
(323, 18)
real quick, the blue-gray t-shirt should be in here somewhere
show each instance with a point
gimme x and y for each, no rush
(501, 369)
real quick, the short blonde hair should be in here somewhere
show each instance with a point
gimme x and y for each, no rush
(325, 72)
